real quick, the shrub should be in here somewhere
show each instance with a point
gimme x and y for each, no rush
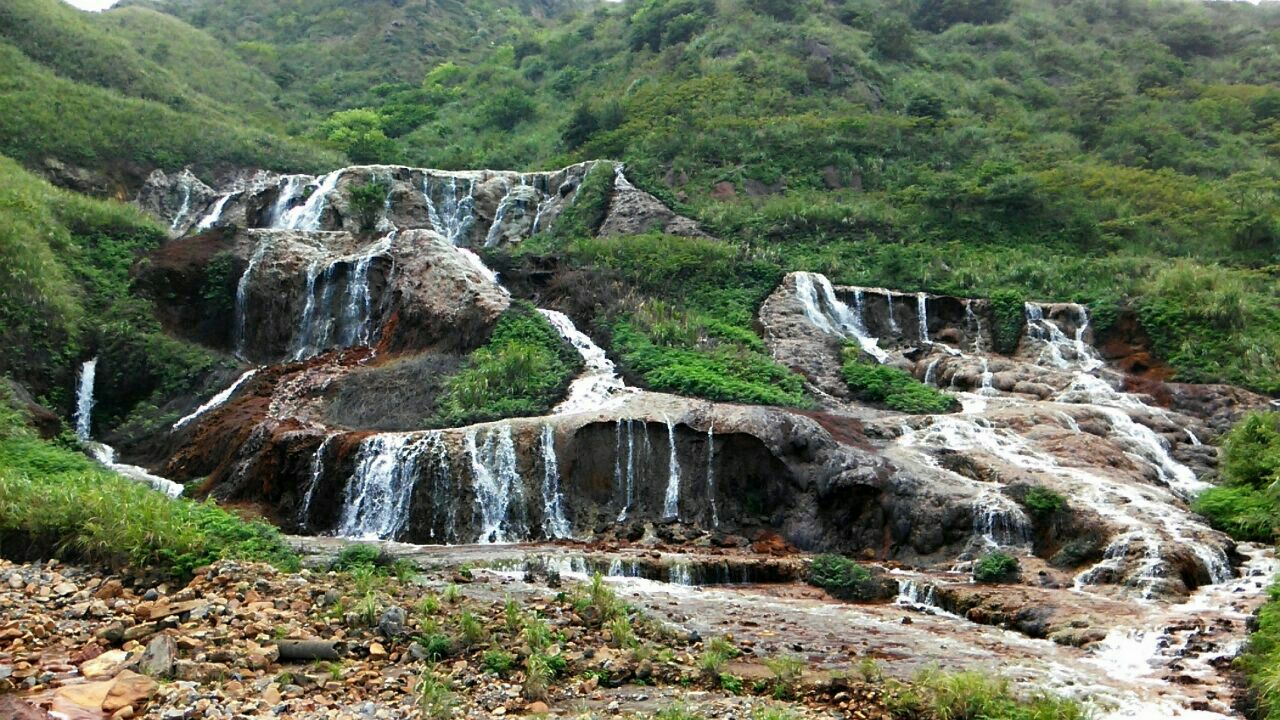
(1241, 512)
(1043, 502)
(896, 388)
(498, 661)
(367, 203)
(1246, 506)
(996, 567)
(843, 578)
(973, 695)
(787, 672)
(358, 555)
(1008, 311)
(436, 700)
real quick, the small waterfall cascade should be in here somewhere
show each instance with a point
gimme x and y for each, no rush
(217, 400)
(185, 208)
(307, 215)
(313, 481)
(102, 452)
(922, 315)
(1000, 523)
(436, 464)
(554, 523)
(973, 324)
(242, 296)
(380, 490)
(671, 500)
(920, 595)
(987, 377)
(598, 387)
(291, 187)
(453, 217)
(931, 372)
(215, 214)
(84, 398)
(500, 217)
(822, 308)
(321, 325)
(495, 478)
(893, 321)
(485, 271)
(626, 461)
(1057, 350)
(711, 475)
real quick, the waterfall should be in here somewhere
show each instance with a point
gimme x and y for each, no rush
(380, 490)
(242, 296)
(1056, 343)
(930, 372)
(499, 217)
(1155, 451)
(974, 325)
(999, 522)
(922, 314)
(598, 387)
(359, 308)
(106, 455)
(711, 475)
(435, 463)
(216, 400)
(215, 214)
(987, 377)
(307, 215)
(624, 476)
(893, 321)
(319, 327)
(485, 271)
(453, 218)
(822, 308)
(1191, 436)
(317, 472)
(671, 502)
(186, 204)
(84, 399)
(290, 187)
(496, 480)
(554, 522)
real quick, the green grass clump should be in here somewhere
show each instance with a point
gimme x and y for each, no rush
(55, 501)
(896, 388)
(975, 696)
(521, 371)
(996, 567)
(843, 578)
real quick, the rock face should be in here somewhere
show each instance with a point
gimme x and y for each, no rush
(633, 211)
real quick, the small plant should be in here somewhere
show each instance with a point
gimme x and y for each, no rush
(870, 670)
(367, 609)
(536, 633)
(1043, 502)
(623, 635)
(452, 594)
(996, 567)
(367, 202)
(332, 669)
(498, 661)
(678, 712)
(436, 700)
(514, 617)
(774, 714)
(786, 671)
(366, 579)
(538, 675)
(603, 599)
(436, 645)
(405, 572)
(429, 605)
(730, 683)
(712, 663)
(471, 628)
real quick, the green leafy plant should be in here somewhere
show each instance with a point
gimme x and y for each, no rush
(1043, 502)
(996, 567)
(843, 578)
(367, 202)
(498, 661)
(436, 700)
(896, 388)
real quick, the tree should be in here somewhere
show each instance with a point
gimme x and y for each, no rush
(938, 15)
(358, 133)
(507, 109)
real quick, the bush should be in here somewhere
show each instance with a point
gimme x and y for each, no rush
(897, 389)
(843, 578)
(996, 567)
(358, 555)
(1008, 310)
(1043, 502)
(1241, 512)
(974, 695)
(367, 203)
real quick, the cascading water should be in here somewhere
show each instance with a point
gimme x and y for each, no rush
(922, 315)
(307, 215)
(554, 522)
(216, 400)
(454, 217)
(1057, 350)
(822, 308)
(321, 325)
(496, 480)
(242, 295)
(485, 271)
(671, 501)
(893, 321)
(624, 474)
(380, 490)
(987, 377)
(317, 472)
(999, 522)
(711, 475)
(499, 217)
(185, 208)
(599, 387)
(931, 372)
(215, 214)
(84, 398)
(290, 187)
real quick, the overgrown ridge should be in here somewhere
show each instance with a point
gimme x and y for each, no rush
(901, 363)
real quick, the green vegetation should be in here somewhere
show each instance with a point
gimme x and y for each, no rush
(973, 696)
(522, 370)
(436, 699)
(1043, 502)
(367, 202)
(56, 502)
(896, 388)
(1245, 505)
(1009, 311)
(996, 567)
(843, 578)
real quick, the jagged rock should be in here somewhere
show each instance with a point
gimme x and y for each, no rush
(391, 624)
(159, 657)
(633, 211)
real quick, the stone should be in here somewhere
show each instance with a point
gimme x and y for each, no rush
(391, 624)
(106, 664)
(112, 633)
(64, 588)
(129, 689)
(537, 708)
(141, 630)
(159, 657)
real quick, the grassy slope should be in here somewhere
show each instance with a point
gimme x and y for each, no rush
(75, 89)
